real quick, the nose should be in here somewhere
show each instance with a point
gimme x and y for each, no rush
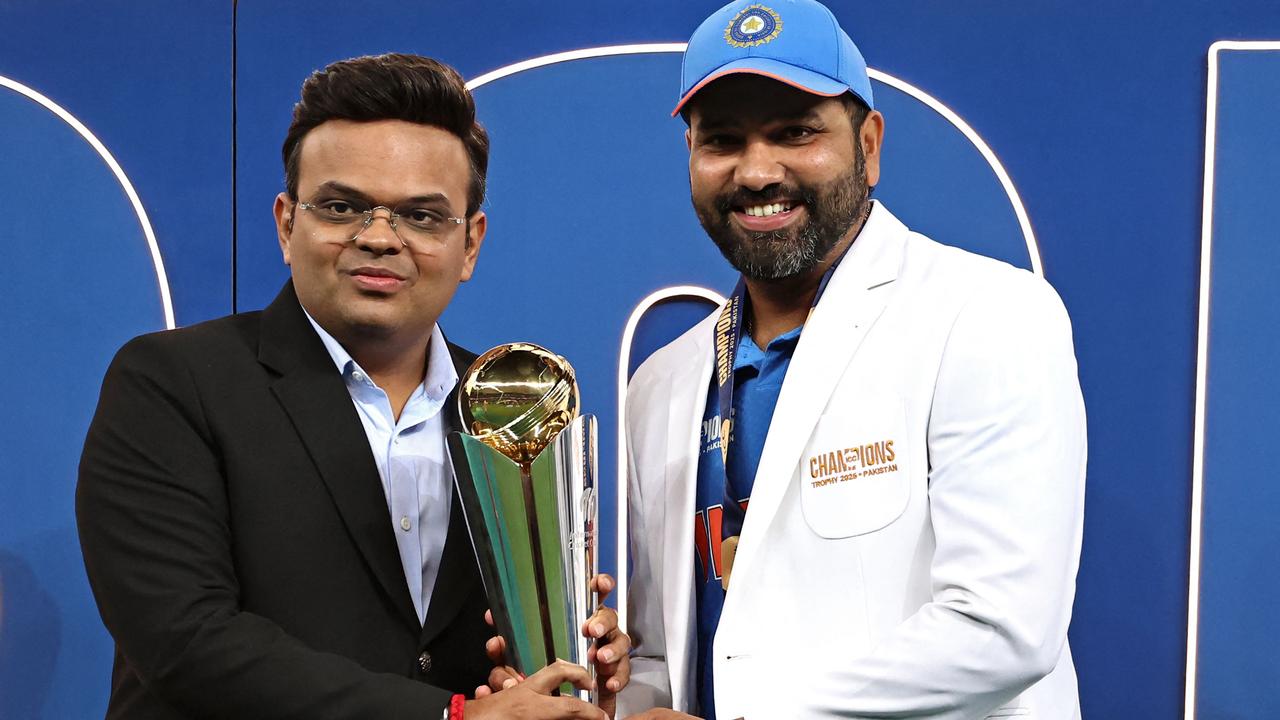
(758, 166)
(376, 237)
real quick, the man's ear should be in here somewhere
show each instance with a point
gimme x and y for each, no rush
(283, 210)
(871, 136)
(477, 225)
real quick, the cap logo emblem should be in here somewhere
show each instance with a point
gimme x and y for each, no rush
(754, 25)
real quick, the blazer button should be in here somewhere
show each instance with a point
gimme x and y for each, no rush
(424, 662)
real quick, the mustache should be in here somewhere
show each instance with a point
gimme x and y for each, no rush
(743, 197)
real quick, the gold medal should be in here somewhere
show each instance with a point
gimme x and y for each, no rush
(728, 549)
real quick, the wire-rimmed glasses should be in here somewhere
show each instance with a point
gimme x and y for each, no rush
(410, 222)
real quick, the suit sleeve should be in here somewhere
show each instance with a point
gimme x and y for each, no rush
(1006, 443)
(650, 684)
(152, 510)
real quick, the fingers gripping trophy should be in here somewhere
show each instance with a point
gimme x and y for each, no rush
(526, 474)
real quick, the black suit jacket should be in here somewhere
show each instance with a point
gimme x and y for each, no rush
(238, 541)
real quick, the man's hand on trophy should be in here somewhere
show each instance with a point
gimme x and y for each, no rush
(531, 698)
(502, 676)
(610, 653)
(612, 648)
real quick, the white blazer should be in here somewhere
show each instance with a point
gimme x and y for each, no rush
(912, 541)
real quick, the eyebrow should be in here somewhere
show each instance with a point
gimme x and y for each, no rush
(340, 188)
(728, 121)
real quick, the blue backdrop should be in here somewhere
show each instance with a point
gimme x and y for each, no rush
(1095, 109)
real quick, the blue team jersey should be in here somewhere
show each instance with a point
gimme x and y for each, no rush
(758, 378)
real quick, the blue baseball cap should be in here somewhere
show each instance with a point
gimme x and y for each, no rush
(797, 42)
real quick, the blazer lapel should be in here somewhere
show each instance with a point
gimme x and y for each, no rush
(688, 396)
(459, 573)
(316, 400)
(855, 297)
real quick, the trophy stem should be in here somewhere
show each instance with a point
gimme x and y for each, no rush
(544, 609)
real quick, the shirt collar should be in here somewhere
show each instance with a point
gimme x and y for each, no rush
(441, 374)
(749, 355)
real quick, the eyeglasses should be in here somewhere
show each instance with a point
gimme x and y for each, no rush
(411, 223)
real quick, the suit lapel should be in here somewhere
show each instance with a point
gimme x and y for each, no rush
(687, 401)
(316, 400)
(459, 573)
(855, 297)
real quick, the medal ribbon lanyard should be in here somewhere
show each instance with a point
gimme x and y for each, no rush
(728, 333)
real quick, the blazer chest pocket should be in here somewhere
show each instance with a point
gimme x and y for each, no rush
(854, 474)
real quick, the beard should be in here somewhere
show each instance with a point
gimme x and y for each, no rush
(832, 209)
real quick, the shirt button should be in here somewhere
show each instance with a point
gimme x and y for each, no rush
(357, 376)
(405, 524)
(424, 662)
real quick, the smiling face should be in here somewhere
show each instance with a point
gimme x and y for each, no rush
(779, 177)
(376, 289)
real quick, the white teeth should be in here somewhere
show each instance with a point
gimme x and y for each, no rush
(767, 210)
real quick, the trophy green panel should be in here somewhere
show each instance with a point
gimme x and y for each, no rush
(509, 493)
(471, 482)
(501, 496)
(553, 550)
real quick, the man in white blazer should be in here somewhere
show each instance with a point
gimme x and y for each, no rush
(888, 524)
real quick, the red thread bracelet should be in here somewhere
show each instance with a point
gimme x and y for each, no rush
(456, 703)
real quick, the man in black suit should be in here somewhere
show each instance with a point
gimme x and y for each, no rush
(265, 508)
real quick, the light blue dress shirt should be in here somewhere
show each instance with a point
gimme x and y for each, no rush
(411, 459)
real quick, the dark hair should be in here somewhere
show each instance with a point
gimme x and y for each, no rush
(394, 86)
(856, 109)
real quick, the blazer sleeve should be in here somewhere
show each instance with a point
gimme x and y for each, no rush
(1006, 444)
(152, 511)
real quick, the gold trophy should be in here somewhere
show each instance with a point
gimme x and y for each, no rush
(525, 471)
